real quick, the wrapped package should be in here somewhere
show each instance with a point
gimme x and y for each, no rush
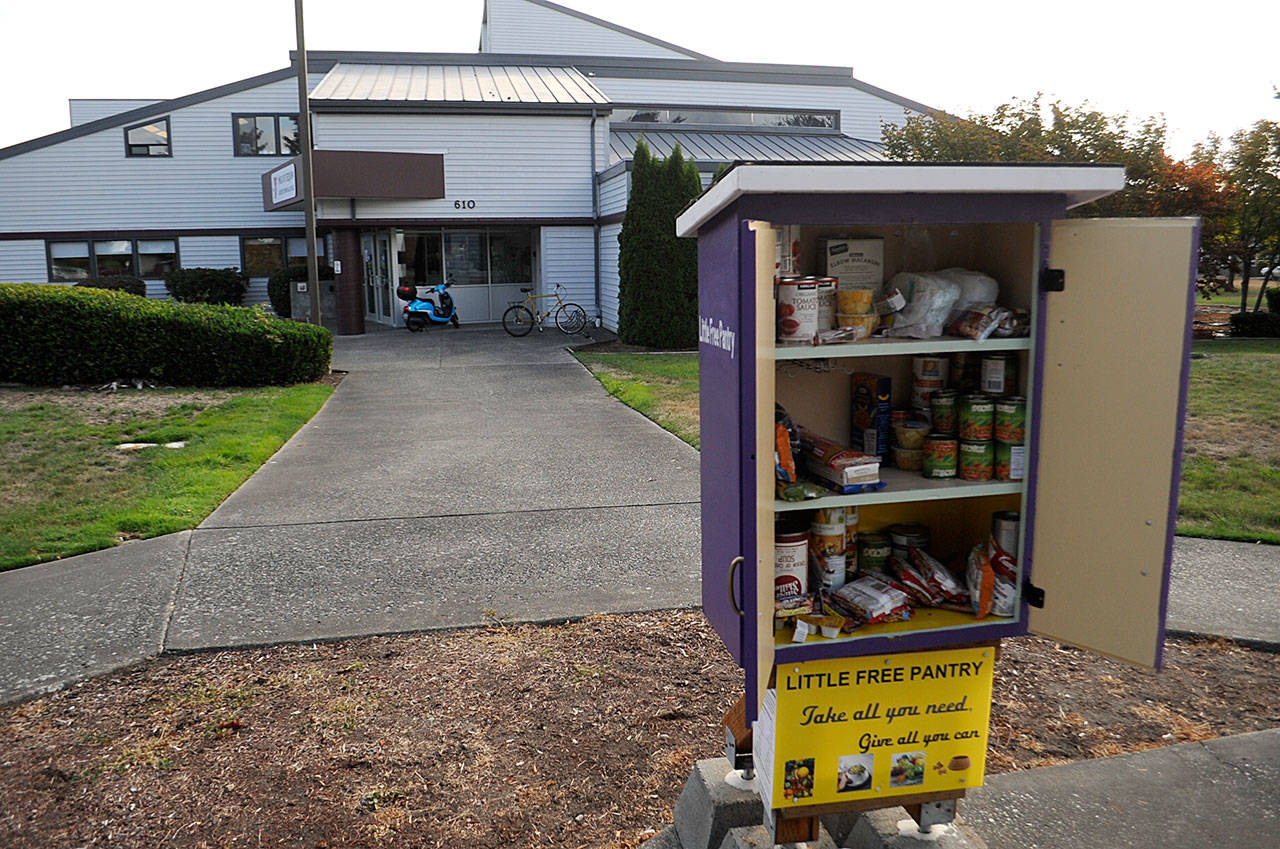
(930, 299)
(871, 599)
(975, 288)
(941, 582)
(979, 321)
(908, 579)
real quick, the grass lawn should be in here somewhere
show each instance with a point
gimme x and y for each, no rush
(664, 387)
(66, 489)
(1232, 299)
(1231, 466)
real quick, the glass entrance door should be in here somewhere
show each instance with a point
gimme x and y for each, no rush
(375, 250)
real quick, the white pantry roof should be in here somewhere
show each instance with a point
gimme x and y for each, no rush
(478, 84)
(1080, 184)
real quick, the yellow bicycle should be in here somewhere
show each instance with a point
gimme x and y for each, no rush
(522, 316)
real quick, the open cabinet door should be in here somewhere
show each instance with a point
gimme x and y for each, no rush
(1112, 396)
(761, 629)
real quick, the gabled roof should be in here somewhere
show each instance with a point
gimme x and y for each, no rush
(457, 84)
(142, 113)
(598, 22)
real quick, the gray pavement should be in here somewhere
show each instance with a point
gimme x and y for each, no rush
(1226, 589)
(1223, 792)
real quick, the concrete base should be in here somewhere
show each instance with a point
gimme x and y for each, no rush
(757, 837)
(893, 828)
(709, 807)
(665, 839)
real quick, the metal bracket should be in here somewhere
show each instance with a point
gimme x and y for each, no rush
(739, 759)
(1033, 595)
(1053, 280)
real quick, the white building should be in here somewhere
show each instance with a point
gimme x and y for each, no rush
(497, 169)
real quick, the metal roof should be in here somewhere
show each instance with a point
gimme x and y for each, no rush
(481, 84)
(757, 146)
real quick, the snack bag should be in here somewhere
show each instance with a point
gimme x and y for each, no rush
(941, 582)
(914, 584)
(1005, 589)
(873, 600)
(981, 580)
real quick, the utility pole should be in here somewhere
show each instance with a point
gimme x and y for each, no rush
(308, 186)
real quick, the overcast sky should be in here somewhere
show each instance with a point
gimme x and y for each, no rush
(1205, 67)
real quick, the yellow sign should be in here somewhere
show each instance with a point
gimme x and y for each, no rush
(888, 725)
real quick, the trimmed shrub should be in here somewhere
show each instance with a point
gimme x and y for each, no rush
(1273, 298)
(1256, 324)
(207, 285)
(657, 270)
(63, 334)
(118, 283)
(280, 284)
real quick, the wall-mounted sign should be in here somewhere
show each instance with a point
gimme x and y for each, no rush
(871, 727)
(284, 184)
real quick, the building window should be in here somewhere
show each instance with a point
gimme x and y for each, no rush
(149, 259)
(265, 135)
(511, 256)
(113, 258)
(156, 258)
(739, 118)
(296, 247)
(263, 255)
(69, 262)
(148, 139)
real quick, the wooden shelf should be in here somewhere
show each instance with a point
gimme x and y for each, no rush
(893, 347)
(906, 486)
(922, 619)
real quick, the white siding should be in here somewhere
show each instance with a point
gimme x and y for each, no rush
(614, 192)
(23, 262)
(609, 275)
(515, 26)
(84, 111)
(568, 259)
(209, 251)
(861, 113)
(512, 166)
(88, 182)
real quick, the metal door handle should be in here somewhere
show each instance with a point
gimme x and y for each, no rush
(733, 568)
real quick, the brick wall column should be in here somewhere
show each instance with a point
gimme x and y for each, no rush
(346, 249)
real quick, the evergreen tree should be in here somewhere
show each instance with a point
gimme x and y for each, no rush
(658, 272)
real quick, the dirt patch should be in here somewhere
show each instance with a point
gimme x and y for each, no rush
(1223, 439)
(570, 736)
(98, 408)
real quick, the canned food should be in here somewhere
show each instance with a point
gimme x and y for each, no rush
(977, 460)
(797, 310)
(1004, 531)
(1011, 420)
(910, 435)
(999, 374)
(908, 535)
(942, 408)
(873, 552)
(940, 456)
(826, 303)
(966, 372)
(851, 535)
(790, 567)
(908, 459)
(977, 413)
(1011, 461)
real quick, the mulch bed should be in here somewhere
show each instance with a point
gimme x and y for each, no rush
(574, 735)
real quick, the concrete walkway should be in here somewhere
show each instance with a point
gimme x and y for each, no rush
(455, 476)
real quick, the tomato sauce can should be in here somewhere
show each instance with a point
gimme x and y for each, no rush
(977, 460)
(1011, 420)
(940, 456)
(977, 413)
(826, 302)
(797, 310)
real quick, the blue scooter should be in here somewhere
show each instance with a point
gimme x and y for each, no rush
(435, 308)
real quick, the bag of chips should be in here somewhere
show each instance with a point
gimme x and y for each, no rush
(872, 599)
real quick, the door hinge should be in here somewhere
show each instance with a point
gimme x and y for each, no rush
(1034, 595)
(1053, 280)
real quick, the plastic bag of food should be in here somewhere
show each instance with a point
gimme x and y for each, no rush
(1016, 323)
(930, 298)
(981, 581)
(975, 288)
(786, 443)
(978, 322)
(914, 584)
(872, 600)
(941, 582)
(1004, 566)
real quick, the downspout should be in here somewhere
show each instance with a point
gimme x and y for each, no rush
(595, 218)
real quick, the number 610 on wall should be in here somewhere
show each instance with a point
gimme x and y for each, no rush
(464, 204)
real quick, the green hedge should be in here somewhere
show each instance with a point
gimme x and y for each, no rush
(207, 285)
(1255, 324)
(1273, 298)
(117, 283)
(62, 334)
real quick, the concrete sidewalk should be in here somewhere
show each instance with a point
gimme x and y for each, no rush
(454, 477)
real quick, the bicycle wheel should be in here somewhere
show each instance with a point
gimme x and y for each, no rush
(571, 318)
(517, 320)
